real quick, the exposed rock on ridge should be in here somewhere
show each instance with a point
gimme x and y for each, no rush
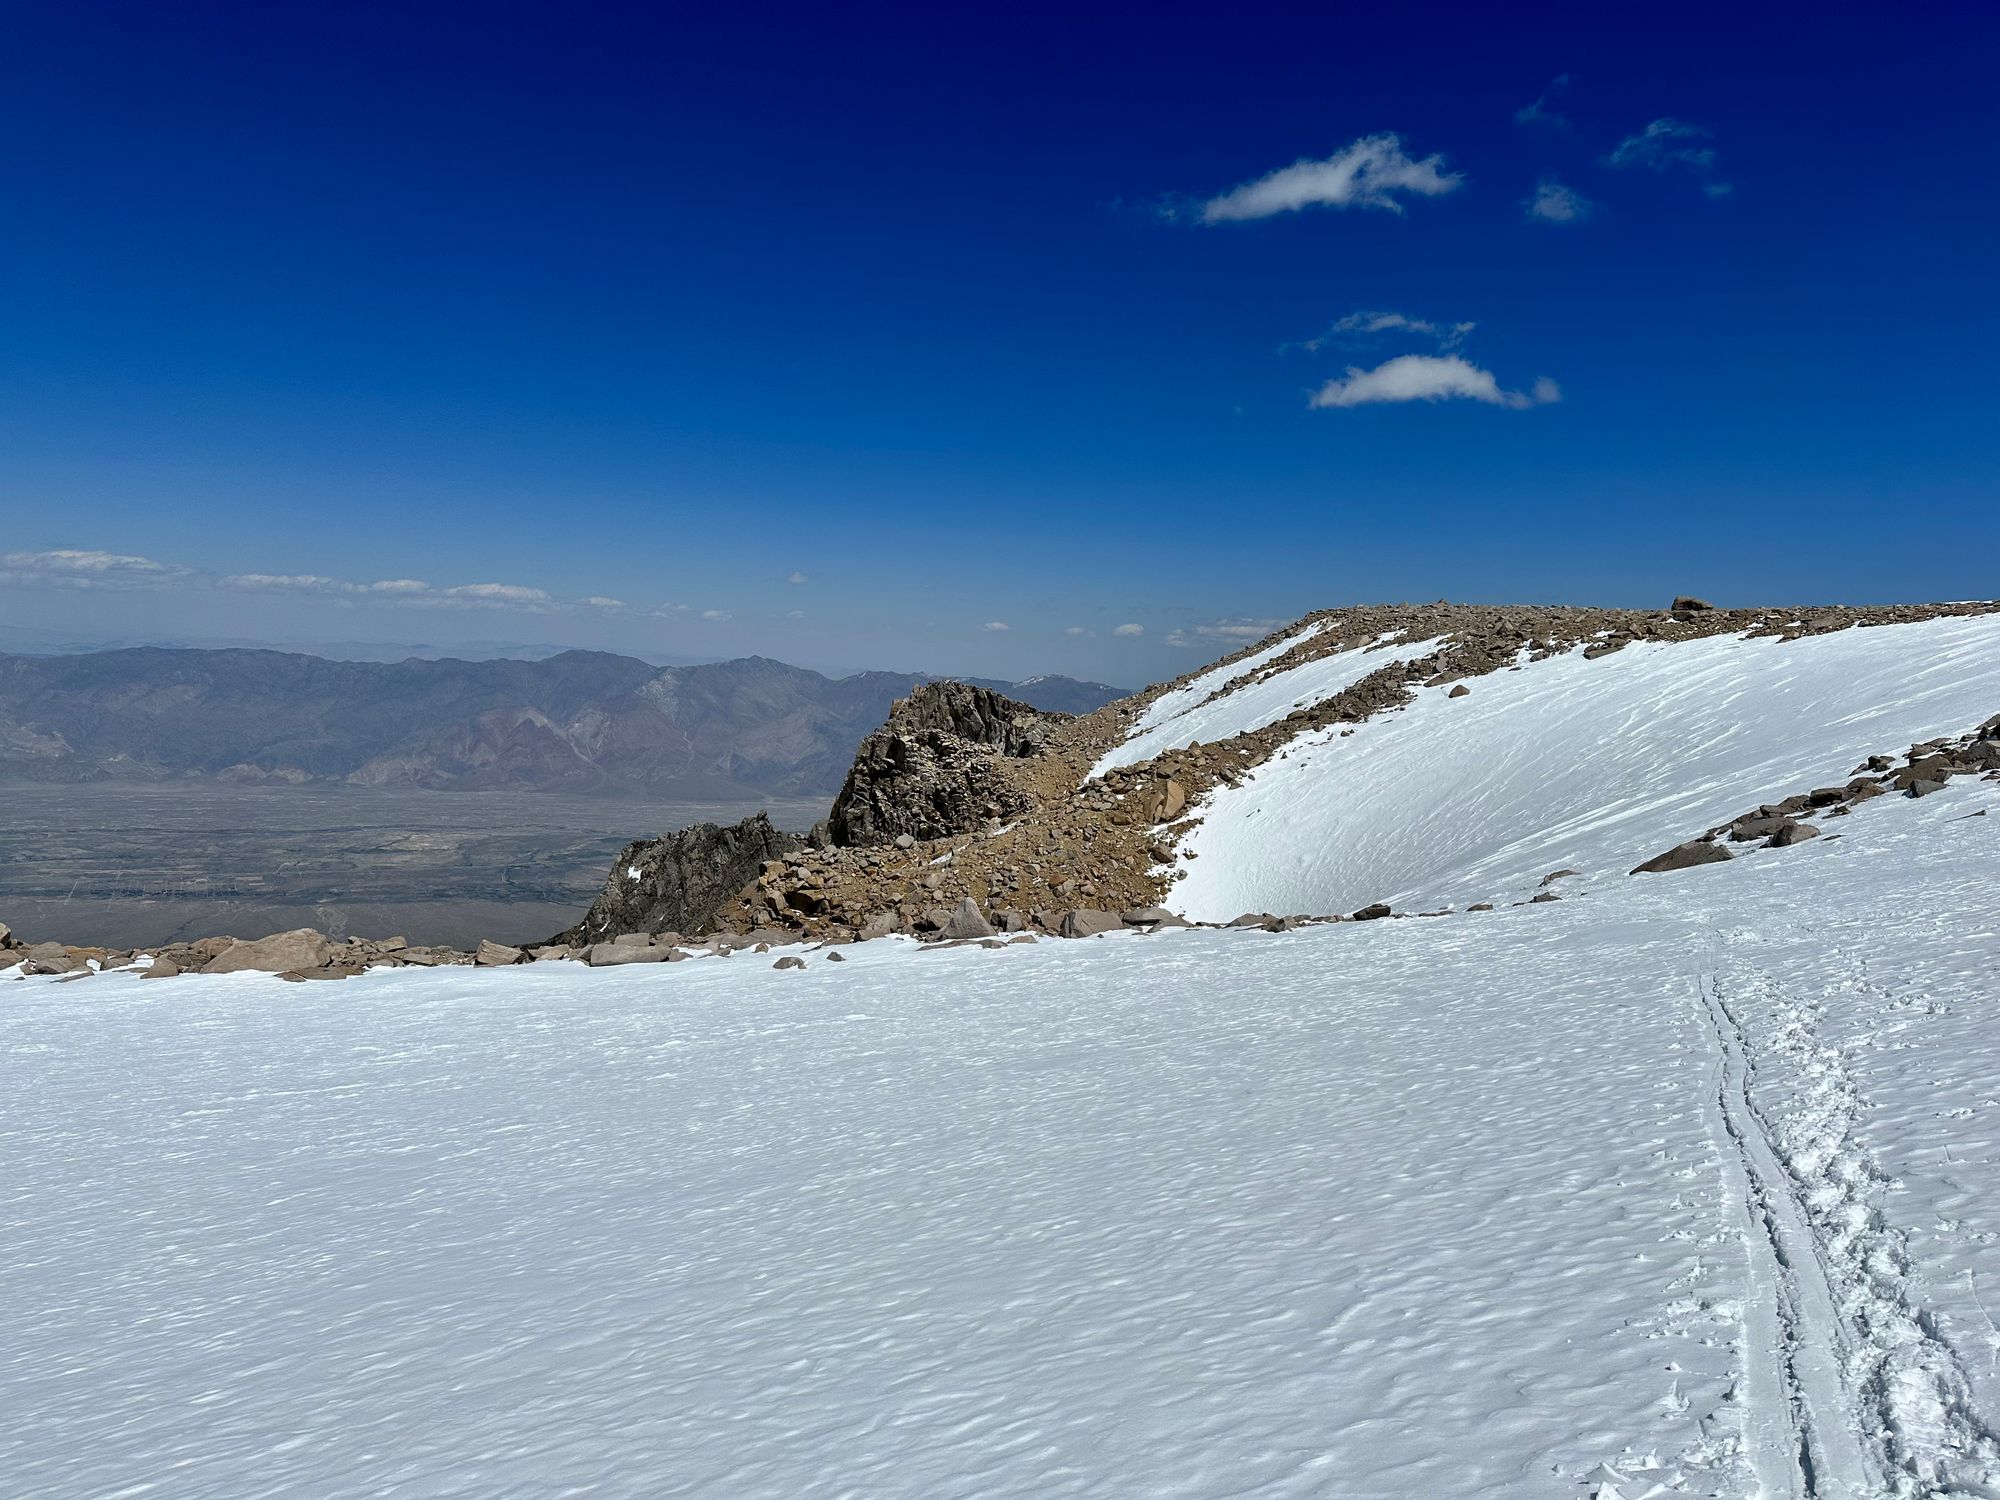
(938, 766)
(679, 883)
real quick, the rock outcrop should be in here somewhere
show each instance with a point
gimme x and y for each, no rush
(679, 882)
(938, 767)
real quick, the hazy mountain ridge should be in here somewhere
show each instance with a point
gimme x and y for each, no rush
(580, 721)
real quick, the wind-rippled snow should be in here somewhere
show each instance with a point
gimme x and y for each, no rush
(1421, 1208)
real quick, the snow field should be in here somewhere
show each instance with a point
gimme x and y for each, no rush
(1471, 1206)
(1252, 705)
(1570, 763)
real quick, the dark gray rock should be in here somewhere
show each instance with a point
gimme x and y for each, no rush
(1373, 912)
(934, 769)
(1687, 604)
(683, 880)
(1793, 833)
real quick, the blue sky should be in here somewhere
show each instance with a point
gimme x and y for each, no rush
(844, 336)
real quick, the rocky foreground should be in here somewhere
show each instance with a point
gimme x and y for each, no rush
(969, 817)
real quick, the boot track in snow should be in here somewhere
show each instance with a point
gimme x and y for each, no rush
(1847, 1392)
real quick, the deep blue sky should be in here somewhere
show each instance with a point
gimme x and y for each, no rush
(669, 304)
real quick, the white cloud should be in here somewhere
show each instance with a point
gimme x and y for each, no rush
(1357, 326)
(598, 601)
(1542, 111)
(1428, 377)
(75, 567)
(1129, 630)
(1368, 174)
(994, 625)
(1554, 203)
(798, 577)
(1664, 143)
(1238, 630)
(717, 615)
(1077, 631)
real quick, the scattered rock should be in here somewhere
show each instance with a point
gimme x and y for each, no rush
(1684, 856)
(1461, 691)
(611, 955)
(1543, 896)
(282, 952)
(1554, 875)
(1793, 833)
(161, 968)
(1087, 922)
(1373, 912)
(490, 954)
(1687, 604)
(967, 922)
(1480, 906)
(790, 961)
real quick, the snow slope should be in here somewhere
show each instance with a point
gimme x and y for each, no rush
(1572, 763)
(1681, 1186)
(1216, 707)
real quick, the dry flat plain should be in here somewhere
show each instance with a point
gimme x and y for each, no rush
(125, 865)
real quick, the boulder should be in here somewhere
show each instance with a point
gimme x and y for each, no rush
(161, 968)
(6, 936)
(1543, 897)
(610, 955)
(880, 925)
(967, 922)
(1150, 916)
(1687, 604)
(1086, 922)
(1461, 691)
(492, 955)
(633, 940)
(790, 961)
(281, 953)
(1554, 875)
(1793, 833)
(1923, 786)
(1164, 801)
(836, 957)
(1683, 856)
(1480, 906)
(1757, 826)
(1373, 912)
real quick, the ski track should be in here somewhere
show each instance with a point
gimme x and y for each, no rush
(1483, 1206)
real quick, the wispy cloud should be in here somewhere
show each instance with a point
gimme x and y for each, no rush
(994, 626)
(1359, 326)
(716, 616)
(1542, 110)
(1666, 144)
(1077, 632)
(1553, 203)
(798, 577)
(1237, 630)
(1128, 631)
(1429, 377)
(75, 567)
(1373, 172)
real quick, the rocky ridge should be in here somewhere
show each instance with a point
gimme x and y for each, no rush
(967, 811)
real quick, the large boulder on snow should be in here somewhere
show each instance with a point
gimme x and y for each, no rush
(1683, 857)
(280, 953)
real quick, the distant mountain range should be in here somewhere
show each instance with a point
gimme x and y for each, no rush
(579, 721)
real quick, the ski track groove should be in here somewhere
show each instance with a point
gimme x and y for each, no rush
(1850, 1389)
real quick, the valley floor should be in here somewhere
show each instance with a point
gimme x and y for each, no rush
(1686, 1184)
